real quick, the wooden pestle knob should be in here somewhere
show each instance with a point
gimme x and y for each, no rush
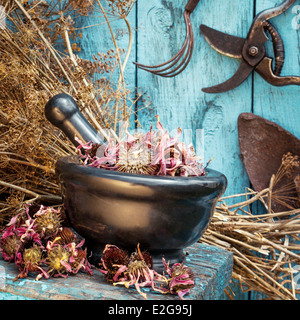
(63, 112)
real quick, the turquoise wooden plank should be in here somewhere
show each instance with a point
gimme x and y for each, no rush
(10, 296)
(211, 265)
(281, 104)
(96, 37)
(179, 101)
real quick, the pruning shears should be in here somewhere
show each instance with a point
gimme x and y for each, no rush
(252, 51)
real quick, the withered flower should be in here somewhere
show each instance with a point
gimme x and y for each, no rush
(58, 260)
(113, 261)
(65, 235)
(48, 221)
(29, 261)
(139, 274)
(63, 260)
(9, 247)
(153, 153)
(182, 279)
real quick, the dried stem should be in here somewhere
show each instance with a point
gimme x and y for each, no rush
(121, 78)
(46, 43)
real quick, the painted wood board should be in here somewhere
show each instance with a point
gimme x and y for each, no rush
(211, 265)
(96, 37)
(209, 119)
(281, 104)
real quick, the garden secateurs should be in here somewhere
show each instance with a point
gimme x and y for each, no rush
(252, 51)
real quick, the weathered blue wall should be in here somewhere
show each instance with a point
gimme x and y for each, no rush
(158, 33)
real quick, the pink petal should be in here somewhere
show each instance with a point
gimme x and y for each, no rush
(119, 272)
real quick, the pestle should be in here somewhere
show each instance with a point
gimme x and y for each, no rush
(63, 112)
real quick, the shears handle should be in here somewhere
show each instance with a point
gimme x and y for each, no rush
(278, 46)
(265, 70)
(191, 5)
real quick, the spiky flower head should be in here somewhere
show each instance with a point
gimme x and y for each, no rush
(182, 279)
(139, 255)
(32, 257)
(78, 261)
(48, 221)
(58, 259)
(65, 235)
(10, 246)
(113, 257)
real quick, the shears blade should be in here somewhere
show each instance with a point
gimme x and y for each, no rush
(239, 77)
(224, 43)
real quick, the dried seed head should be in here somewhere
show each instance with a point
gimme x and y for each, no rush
(81, 255)
(289, 163)
(56, 259)
(32, 258)
(65, 235)
(139, 169)
(182, 278)
(142, 256)
(113, 257)
(136, 268)
(10, 246)
(49, 222)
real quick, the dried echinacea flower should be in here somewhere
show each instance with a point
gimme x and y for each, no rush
(58, 259)
(113, 258)
(78, 261)
(9, 247)
(153, 153)
(65, 235)
(32, 257)
(182, 279)
(48, 221)
(63, 260)
(137, 270)
(145, 256)
(29, 261)
(34, 240)
(139, 273)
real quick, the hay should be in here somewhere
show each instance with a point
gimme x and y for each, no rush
(32, 70)
(264, 243)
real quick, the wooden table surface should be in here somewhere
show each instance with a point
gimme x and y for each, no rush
(211, 265)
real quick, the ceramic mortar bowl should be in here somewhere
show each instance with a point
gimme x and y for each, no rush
(163, 214)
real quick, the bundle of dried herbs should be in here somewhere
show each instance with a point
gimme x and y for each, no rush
(153, 153)
(37, 242)
(39, 44)
(136, 270)
(264, 243)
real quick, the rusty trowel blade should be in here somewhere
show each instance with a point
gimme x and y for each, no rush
(262, 145)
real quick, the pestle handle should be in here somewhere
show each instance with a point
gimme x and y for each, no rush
(63, 112)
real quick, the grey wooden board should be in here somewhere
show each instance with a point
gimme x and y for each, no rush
(211, 265)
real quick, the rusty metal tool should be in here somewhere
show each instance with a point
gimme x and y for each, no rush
(262, 145)
(252, 51)
(179, 62)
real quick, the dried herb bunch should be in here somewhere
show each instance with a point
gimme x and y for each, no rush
(38, 59)
(265, 245)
